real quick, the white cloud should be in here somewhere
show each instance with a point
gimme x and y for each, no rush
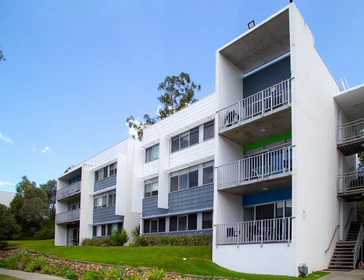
(6, 139)
(158, 109)
(47, 150)
(5, 183)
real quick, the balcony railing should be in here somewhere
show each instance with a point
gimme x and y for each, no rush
(350, 131)
(257, 104)
(275, 162)
(68, 216)
(351, 181)
(68, 191)
(253, 232)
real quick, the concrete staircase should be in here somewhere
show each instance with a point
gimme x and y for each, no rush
(342, 258)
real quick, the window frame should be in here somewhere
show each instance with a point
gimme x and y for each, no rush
(106, 171)
(99, 199)
(187, 134)
(152, 192)
(149, 151)
(208, 125)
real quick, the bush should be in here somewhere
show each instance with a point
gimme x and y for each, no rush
(12, 262)
(36, 264)
(70, 274)
(44, 233)
(24, 260)
(2, 263)
(134, 277)
(135, 235)
(116, 273)
(4, 244)
(96, 241)
(119, 238)
(92, 275)
(156, 274)
(174, 240)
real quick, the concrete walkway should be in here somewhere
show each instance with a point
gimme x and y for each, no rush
(345, 275)
(28, 275)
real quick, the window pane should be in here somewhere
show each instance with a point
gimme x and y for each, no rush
(279, 209)
(194, 136)
(109, 229)
(173, 224)
(174, 183)
(146, 226)
(183, 178)
(209, 130)
(147, 192)
(192, 222)
(111, 199)
(94, 231)
(105, 172)
(95, 203)
(193, 179)
(208, 175)
(184, 141)
(182, 223)
(288, 209)
(120, 227)
(103, 230)
(155, 152)
(96, 176)
(162, 225)
(154, 226)
(175, 144)
(268, 211)
(104, 198)
(207, 220)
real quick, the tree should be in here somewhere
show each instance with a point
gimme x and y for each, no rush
(177, 92)
(2, 57)
(8, 226)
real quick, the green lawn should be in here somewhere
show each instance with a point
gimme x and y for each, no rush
(170, 258)
(6, 277)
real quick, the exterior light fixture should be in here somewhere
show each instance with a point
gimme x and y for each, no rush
(265, 189)
(263, 130)
(251, 24)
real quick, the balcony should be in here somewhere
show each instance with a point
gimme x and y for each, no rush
(69, 216)
(350, 137)
(71, 190)
(242, 121)
(270, 165)
(351, 186)
(276, 230)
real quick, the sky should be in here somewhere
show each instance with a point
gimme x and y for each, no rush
(75, 70)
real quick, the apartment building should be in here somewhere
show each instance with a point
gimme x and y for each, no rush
(96, 197)
(267, 163)
(277, 155)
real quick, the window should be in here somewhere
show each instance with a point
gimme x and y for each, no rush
(105, 199)
(109, 229)
(152, 153)
(103, 230)
(94, 231)
(146, 226)
(208, 175)
(173, 223)
(207, 220)
(151, 187)
(154, 226)
(193, 178)
(162, 225)
(185, 139)
(208, 130)
(192, 222)
(106, 172)
(182, 223)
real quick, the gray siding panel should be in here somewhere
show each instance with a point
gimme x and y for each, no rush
(106, 214)
(267, 77)
(105, 183)
(181, 201)
(188, 232)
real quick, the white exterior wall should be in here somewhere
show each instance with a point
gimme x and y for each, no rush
(86, 202)
(60, 233)
(315, 157)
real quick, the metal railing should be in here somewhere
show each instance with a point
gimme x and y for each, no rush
(348, 220)
(273, 162)
(358, 245)
(350, 131)
(257, 104)
(68, 216)
(332, 238)
(70, 190)
(252, 232)
(350, 181)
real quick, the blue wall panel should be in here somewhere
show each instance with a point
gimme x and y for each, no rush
(266, 197)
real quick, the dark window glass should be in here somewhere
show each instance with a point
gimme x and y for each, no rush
(207, 220)
(109, 229)
(208, 175)
(103, 230)
(147, 190)
(152, 153)
(111, 199)
(120, 227)
(174, 183)
(94, 231)
(175, 144)
(95, 203)
(146, 226)
(265, 212)
(173, 224)
(208, 130)
(154, 226)
(194, 136)
(184, 141)
(193, 179)
(162, 225)
(96, 176)
(105, 172)
(192, 222)
(182, 223)
(288, 209)
(183, 179)
(104, 199)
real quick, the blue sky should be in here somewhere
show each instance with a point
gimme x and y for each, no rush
(76, 70)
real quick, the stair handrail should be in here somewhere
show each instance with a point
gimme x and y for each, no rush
(351, 212)
(358, 245)
(332, 238)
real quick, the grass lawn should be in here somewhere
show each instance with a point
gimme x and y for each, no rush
(170, 258)
(7, 277)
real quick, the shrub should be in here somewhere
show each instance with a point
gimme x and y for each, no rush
(156, 274)
(134, 277)
(104, 241)
(116, 273)
(2, 263)
(12, 262)
(24, 260)
(92, 275)
(36, 264)
(70, 274)
(119, 238)
(4, 244)
(46, 269)
(174, 240)
(135, 235)
(44, 233)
